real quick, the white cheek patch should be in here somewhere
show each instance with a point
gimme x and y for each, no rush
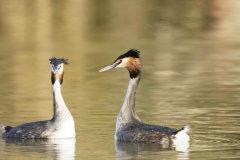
(53, 68)
(124, 63)
(58, 69)
(61, 69)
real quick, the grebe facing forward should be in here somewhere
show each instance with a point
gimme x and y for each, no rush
(62, 123)
(128, 126)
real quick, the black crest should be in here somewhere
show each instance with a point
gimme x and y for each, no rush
(56, 61)
(131, 53)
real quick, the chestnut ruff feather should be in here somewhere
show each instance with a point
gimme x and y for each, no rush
(134, 63)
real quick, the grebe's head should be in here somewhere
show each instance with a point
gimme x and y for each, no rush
(130, 60)
(57, 69)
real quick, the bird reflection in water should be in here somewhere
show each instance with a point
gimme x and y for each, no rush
(62, 148)
(127, 149)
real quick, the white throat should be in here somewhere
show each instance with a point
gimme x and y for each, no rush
(127, 113)
(58, 99)
(62, 118)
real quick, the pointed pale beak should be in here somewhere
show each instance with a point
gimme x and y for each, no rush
(54, 70)
(111, 66)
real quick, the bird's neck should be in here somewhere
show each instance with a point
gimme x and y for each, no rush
(60, 109)
(127, 114)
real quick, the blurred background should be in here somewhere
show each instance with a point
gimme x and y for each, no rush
(190, 51)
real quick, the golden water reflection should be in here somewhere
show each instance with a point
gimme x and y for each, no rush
(125, 150)
(190, 54)
(58, 148)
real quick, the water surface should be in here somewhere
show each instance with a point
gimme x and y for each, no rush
(190, 52)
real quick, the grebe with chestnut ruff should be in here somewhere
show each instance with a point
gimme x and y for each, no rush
(60, 126)
(129, 127)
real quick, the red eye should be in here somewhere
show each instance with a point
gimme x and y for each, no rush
(120, 61)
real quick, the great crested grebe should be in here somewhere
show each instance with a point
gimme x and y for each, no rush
(62, 123)
(128, 126)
